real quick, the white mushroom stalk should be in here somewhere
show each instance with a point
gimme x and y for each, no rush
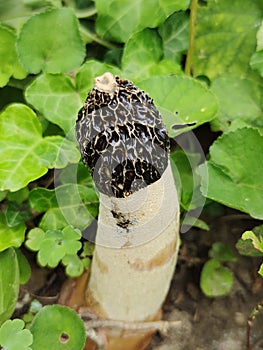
(125, 144)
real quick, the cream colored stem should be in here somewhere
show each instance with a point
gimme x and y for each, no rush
(132, 266)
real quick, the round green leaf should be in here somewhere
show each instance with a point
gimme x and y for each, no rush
(58, 328)
(174, 95)
(216, 280)
(10, 65)
(226, 37)
(235, 171)
(222, 252)
(51, 41)
(239, 99)
(116, 23)
(9, 283)
(13, 336)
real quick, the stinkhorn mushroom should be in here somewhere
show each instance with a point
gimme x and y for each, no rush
(125, 144)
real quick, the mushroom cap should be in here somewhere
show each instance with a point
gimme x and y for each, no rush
(122, 137)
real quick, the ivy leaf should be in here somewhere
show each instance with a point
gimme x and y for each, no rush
(116, 23)
(239, 100)
(17, 213)
(11, 236)
(64, 328)
(175, 33)
(55, 97)
(10, 65)
(77, 206)
(42, 199)
(9, 283)
(173, 93)
(13, 336)
(235, 171)
(216, 280)
(226, 37)
(51, 41)
(24, 267)
(24, 154)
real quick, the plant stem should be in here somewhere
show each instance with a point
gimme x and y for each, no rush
(88, 34)
(189, 58)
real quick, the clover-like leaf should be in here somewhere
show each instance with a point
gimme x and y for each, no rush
(226, 37)
(10, 65)
(64, 328)
(11, 236)
(172, 95)
(116, 23)
(74, 265)
(53, 245)
(24, 154)
(9, 283)
(13, 336)
(51, 41)
(235, 171)
(216, 280)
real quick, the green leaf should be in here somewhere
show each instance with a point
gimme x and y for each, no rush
(256, 237)
(226, 37)
(9, 283)
(246, 248)
(24, 267)
(187, 181)
(51, 41)
(239, 99)
(142, 56)
(64, 328)
(17, 213)
(55, 96)
(76, 171)
(24, 154)
(235, 171)
(222, 252)
(13, 336)
(11, 236)
(173, 93)
(256, 61)
(74, 266)
(142, 50)
(77, 206)
(41, 199)
(54, 245)
(34, 238)
(10, 65)
(18, 196)
(175, 35)
(216, 280)
(117, 20)
(260, 271)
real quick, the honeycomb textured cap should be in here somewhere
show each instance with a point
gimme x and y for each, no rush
(122, 137)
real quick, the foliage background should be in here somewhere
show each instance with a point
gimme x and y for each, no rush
(51, 50)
